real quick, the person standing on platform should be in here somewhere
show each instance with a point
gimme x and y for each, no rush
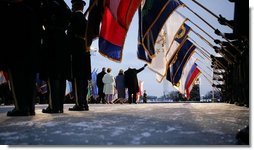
(131, 82)
(80, 56)
(55, 70)
(109, 86)
(144, 97)
(100, 86)
(120, 85)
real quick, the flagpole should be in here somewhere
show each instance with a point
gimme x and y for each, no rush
(207, 54)
(199, 55)
(211, 12)
(205, 33)
(221, 65)
(199, 17)
(209, 68)
(205, 40)
(206, 74)
(187, 19)
(209, 36)
(228, 59)
(203, 69)
(218, 31)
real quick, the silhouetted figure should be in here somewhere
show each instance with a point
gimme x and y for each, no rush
(55, 68)
(120, 85)
(144, 97)
(80, 56)
(100, 85)
(131, 82)
(20, 28)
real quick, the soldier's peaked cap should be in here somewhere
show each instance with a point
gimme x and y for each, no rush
(78, 1)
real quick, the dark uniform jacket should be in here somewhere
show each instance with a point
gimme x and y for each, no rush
(81, 62)
(55, 51)
(20, 38)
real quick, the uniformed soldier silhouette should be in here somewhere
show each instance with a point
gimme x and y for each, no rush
(54, 69)
(20, 26)
(80, 56)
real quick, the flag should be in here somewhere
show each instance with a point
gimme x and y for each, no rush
(169, 32)
(2, 78)
(174, 47)
(126, 10)
(94, 20)
(93, 83)
(115, 23)
(141, 88)
(181, 85)
(142, 54)
(191, 78)
(153, 15)
(175, 69)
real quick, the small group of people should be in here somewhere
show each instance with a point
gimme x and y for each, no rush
(49, 38)
(107, 84)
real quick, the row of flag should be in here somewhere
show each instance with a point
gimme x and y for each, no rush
(163, 38)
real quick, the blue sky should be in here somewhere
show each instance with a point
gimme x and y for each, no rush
(223, 7)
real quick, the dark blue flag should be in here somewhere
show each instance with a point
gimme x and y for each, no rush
(152, 18)
(175, 69)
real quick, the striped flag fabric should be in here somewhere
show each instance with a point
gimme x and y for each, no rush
(191, 78)
(180, 86)
(117, 17)
(174, 47)
(152, 15)
(164, 50)
(176, 67)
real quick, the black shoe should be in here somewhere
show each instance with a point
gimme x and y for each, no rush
(51, 111)
(76, 108)
(32, 113)
(86, 108)
(15, 112)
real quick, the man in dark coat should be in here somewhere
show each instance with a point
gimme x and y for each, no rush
(80, 56)
(20, 27)
(55, 68)
(100, 85)
(131, 82)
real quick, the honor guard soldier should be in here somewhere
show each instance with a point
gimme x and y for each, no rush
(21, 39)
(55, 68)
(80, 56)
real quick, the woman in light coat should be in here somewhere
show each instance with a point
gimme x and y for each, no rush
(109, 86)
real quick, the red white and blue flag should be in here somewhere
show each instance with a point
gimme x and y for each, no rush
(191, 78)
(176, 67)
(117, 17)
